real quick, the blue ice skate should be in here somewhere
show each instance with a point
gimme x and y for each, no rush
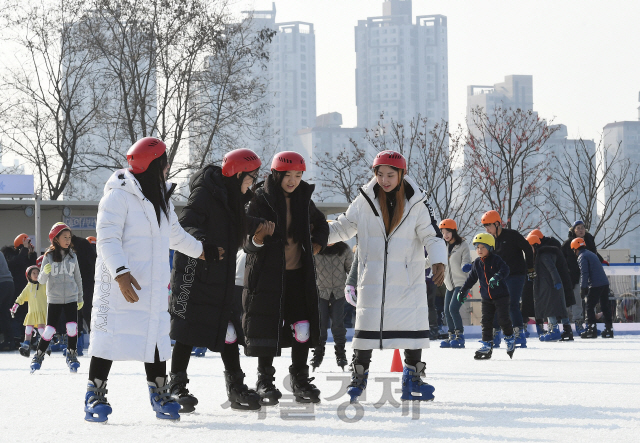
(80, 345)
(165, 407)
(525, 327)
(72, 360)
(58, 343)
(521, 339)
(358, 382)
(447, 342)
(25, 348)
(96, 406)
(540, 330)
(510, 341)
(497, 334)
(484, 353)
(198, 352)
(36, 361)
(554, 334)
(458, 340)
(413, 387)
(579, 328)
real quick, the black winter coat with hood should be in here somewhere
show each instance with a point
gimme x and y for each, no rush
(202, 299)
(263, 294)
(18, 260)
(551, 268)
(570, 256)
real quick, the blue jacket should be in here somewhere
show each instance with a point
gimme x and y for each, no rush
(483, 270)
(591, 271)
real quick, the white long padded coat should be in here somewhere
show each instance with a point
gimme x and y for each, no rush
(130, 240)
(392, 310)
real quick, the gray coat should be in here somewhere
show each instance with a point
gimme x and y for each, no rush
(549, 301)
(332, 269)
(64, 283)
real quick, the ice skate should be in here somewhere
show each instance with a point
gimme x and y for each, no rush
(521, 339)
(72, 360)
(25, 348)
(303, 390)
(553, 334)
(80, 345)
(240, 396)
(579, 328)
(180, 393)
(198, 352)
(458, 340)
(442, 334)
(567, 333)
(591, 332)
(510, 342)
(484, 353)
(165, 407)
(607, 332)
(447, 342)
(341, 356)
(96, 407)
(497, 334)
(265, 388)
(413, 387)
(540, 330)
(36, 361)
(358, 383)
(318, 356)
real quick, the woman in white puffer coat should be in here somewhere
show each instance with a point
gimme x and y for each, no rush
(136, 226)
(394, 224)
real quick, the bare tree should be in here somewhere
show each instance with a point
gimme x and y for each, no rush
(49, 102)
(343, 174)
(599, 187)
(509, 162)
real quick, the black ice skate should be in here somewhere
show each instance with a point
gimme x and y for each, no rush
(240, 396)
(591, 332)
(341, 356)
(180, 393)
(318, 356)
(484, 353)
(303, 390)
(607, 332)
(265, 388)
(567, 334)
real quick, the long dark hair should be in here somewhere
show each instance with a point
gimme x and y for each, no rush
(154, 185)
(237, 201)
(456, 237)
(296, 231)
(57, 250)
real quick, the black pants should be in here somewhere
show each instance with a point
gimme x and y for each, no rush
(432, 290)
(99, 368)
(363, 357)
(299, 356)
(500, 309)
(6, 302)
(53, 315)
(600, 295)
(182, 354)
(332, 310)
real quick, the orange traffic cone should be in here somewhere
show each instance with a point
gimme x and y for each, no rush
(396, 363)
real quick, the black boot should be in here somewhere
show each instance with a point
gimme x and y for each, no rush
(567, 334)
(341, 356)
(303, 390)
(318, 355)
(591, 332)
(240, 396)
(265, 388)
(607, 332)
(180, 393)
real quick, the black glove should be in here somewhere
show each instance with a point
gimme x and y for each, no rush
(584, 292)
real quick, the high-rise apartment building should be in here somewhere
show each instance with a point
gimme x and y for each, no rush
(401, 66)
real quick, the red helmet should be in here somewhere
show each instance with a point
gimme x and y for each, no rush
(490, 217)
(28, 271)
(91, 239)
(240, 160)
(143, 152)
(19, 240)
(447, 223)
(578, 243)
(39, 261)
(537, 232)
(390, 158)
(57, 229)
(288, 161)
(533, 239)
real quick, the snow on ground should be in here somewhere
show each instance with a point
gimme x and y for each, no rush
(587, 390)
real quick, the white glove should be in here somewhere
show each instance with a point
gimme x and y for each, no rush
(350, 295)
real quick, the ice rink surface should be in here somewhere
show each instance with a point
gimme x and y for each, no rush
(586, 390)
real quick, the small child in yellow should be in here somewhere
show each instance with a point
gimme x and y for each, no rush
(34, 293)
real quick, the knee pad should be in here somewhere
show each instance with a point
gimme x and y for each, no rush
(72, 329)
(47, 335)
(28, 330)
(41, 331)
(231, 334)
(301, 331)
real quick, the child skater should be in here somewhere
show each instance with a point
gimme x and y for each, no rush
(35, 294)
(61, 273)
(491, 271)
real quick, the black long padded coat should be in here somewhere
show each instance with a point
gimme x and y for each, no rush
(263, 294)
(202, 298)
(551, 268)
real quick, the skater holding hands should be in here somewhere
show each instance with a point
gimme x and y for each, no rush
(35, 294)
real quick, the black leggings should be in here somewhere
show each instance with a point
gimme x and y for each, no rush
(53, 314)
(363, 357)
(182, 354)
(100, 367)
(299, 356)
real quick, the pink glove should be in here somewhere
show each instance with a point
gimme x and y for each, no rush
(13, 310)
(350, 295)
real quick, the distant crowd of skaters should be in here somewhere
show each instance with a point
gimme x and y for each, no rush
(292, 266)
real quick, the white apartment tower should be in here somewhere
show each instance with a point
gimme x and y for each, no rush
(401, 66)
